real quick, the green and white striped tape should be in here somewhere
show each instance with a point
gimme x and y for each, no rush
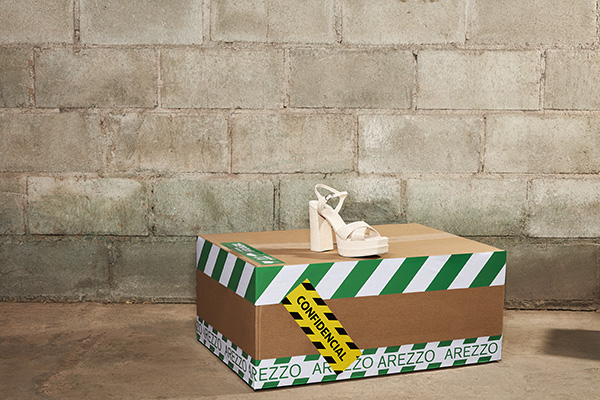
(270, 284)
(312, 368)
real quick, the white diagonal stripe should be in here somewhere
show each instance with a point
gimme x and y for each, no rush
(470, 271)
(334, 278)
(199, 244)
(380, 277)
(280, 285)
(426, 274)
(227, 269)
(245, 279)
(212, 260)
(500, 278)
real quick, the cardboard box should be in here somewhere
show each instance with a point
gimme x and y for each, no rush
(434, 300)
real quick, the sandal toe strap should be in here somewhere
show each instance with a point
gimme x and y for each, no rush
(358, 230)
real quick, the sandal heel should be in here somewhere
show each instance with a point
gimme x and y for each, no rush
(321, 236)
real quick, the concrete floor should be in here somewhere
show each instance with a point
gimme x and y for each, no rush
(95, 351)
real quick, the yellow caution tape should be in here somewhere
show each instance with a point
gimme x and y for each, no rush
(322, 327)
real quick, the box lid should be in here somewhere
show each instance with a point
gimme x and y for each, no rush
(292, 247)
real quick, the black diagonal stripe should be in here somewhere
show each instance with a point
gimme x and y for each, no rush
(319, 301)
(329, 359)
(286, 301)
(341, 331)
(318, 345)
(352, 346)
(308, 286)
(307, 330)
(330, 316)
(337, 372)
(295, 315)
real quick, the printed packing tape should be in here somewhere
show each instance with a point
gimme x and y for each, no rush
(270, 284)
(313, 368)
(321, 326)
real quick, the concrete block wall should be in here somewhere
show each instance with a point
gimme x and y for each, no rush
(126, 128)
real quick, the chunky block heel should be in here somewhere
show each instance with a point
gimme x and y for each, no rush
(357, 239)
(321, 237)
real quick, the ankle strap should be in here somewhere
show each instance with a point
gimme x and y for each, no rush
(333, 193)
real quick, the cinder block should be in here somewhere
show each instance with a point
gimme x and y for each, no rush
(12, 204)
(375, 200)
(153, 269)
(195, 206)
(542, 144)
(102, 206)
(222, 78)
(50, 142)
(309, 21)
(550, 271)
(564, 208)
(478, 79)
(147, 22)
(419, 143)
(36, 21)
(517, 22)
(194, 142)
(14, 77)
(572, 80)
(53, 268)
(279, 142)
(468, 206)
(351, 78)
(403, 22)
(96, 78)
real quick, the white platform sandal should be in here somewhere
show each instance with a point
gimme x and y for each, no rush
(357, 239)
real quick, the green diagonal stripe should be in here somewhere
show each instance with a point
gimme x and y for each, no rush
(264, 277)
(251, 291)
(312, 357)
(419, 346)
(300, 381)
(404, 275)
(408, 369)
(459, 362)
(219, 264)
(328, 378)
(236, 274)
(449, 271)
(359, 374)
(314, 273)
(282, 360)
(484, 359)
(204, 255)
(492, 338)
(370, 351)
(445, 343)
(434, 365)
(490, 270)
(356, 278)
(268, 385)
